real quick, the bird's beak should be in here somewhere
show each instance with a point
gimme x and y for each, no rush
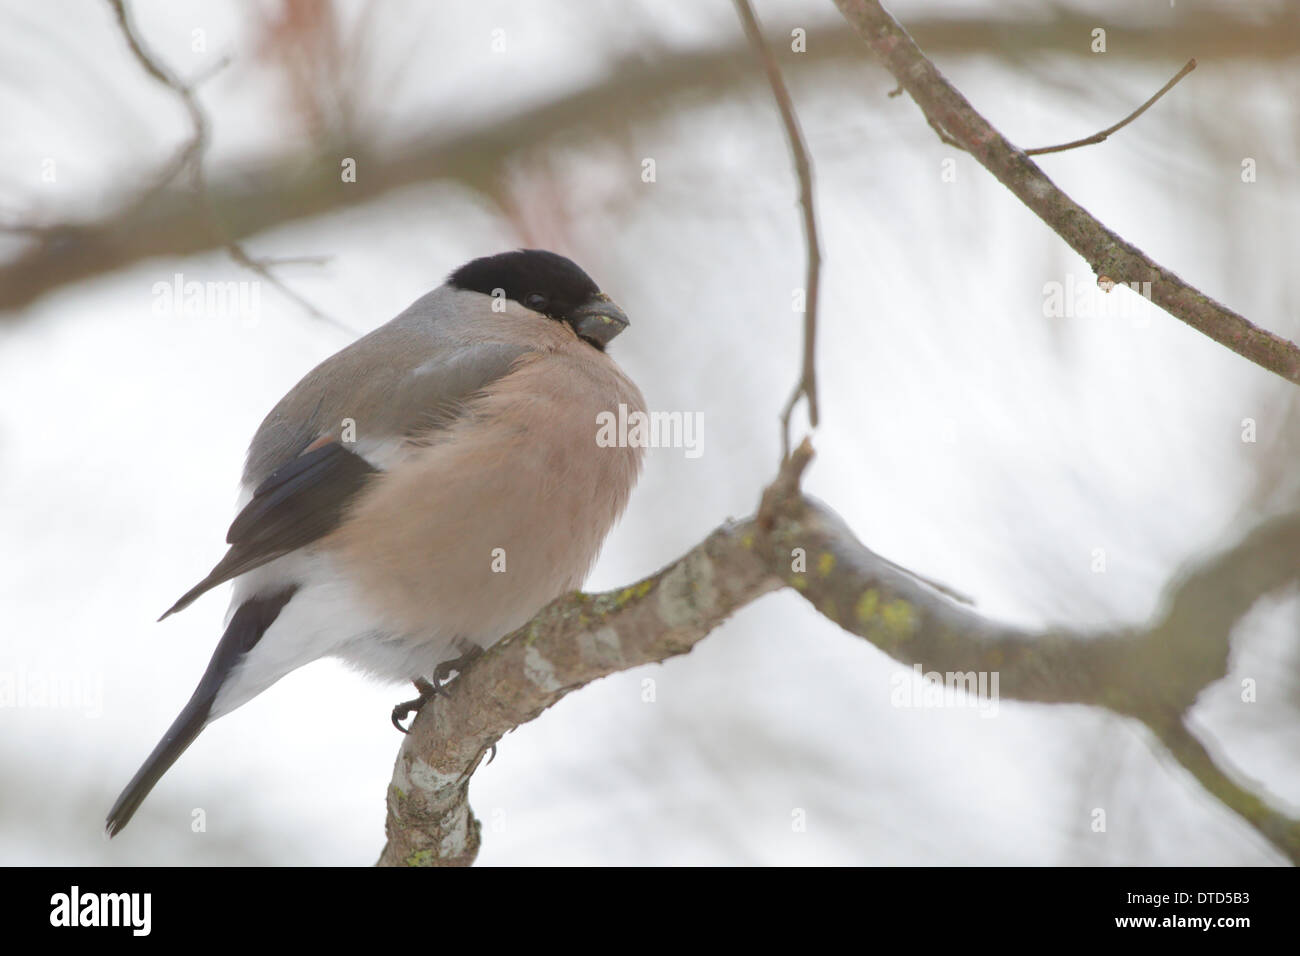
(598, 320)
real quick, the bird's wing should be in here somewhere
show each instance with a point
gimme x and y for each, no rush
(314, 476)
(412, 388)
(298, 503)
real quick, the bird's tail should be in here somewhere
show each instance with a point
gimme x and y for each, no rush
(179, 736)
(246, 628)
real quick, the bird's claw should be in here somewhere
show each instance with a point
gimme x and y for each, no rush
(430, 689)
(403, 710)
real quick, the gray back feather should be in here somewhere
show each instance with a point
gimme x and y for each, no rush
(404, 379)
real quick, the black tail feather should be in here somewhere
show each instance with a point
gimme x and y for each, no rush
(246, 628)
(179, 736)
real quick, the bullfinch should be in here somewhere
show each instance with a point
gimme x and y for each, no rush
(422, 493)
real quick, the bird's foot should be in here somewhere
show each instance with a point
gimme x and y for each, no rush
(442, 673)
(403, 710)
(430, 689)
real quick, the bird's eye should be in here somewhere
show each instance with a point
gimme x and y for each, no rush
(536, 301)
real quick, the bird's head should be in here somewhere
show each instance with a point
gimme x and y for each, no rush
(549, 284)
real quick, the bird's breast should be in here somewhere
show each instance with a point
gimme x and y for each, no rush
(505, 511)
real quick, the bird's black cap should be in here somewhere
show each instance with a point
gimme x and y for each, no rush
(528, 272)
(545, 282)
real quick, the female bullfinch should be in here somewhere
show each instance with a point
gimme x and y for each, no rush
(423, 492)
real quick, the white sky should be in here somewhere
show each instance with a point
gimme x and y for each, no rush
(965, 435)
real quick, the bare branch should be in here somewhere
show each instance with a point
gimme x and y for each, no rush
(574, 641)
(1279, 829)
(1106, 252)
(262, 268)
(806, 387)
(1152, 674)
(261, 193)
(190, 157)
(1104, 134)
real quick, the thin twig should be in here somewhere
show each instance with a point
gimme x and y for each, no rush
(1108, 253)
(944, 136)
(1102, 136)
(261, 267)
(1184, 746)
(208, 72)
(258, 193)
(190, 157)
(807, 385)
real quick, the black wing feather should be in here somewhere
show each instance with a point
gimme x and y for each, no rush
(300, 501)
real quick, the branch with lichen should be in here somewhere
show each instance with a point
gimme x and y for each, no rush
(1152, 674)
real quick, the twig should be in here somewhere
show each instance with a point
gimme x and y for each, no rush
(190, 157)
(1105, 251)
(1102, 136)
(944, 136)
(260, 266)
(807, 384)
(258, 193)
(1184, 746)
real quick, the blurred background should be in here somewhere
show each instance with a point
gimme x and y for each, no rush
(968, 434)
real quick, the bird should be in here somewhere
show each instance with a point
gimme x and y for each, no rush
(421, 493)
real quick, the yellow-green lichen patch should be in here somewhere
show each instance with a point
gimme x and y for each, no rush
(799, 582)
(825, 563)
(865, 610)
(534, 632)
(890, 622)
(604, 604)
(899, 619)
(421, 858)
(634, 592)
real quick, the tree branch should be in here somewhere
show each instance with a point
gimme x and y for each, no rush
(806, 387)
(1279, 829)
(259, 193)
(190, 157)
(572, 642)
(1109, 255)
(1105, 134)
(1152, 674)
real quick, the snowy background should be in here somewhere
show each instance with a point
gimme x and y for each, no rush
(966, 435)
